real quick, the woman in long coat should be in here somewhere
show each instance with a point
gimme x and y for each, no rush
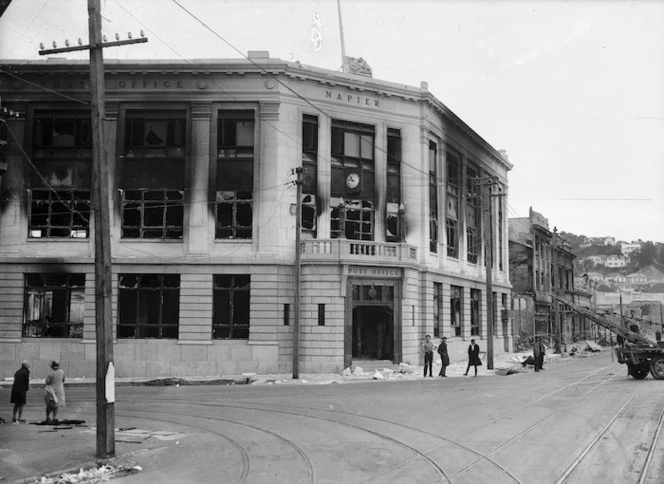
(473, 357)
(55, 392)
(19, 389)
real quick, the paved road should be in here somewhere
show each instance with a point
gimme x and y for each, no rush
(579, 421)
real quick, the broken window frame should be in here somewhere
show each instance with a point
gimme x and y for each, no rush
(352, 149)
(153, 174)
(239, 205)
(357, 217)
(473, 215)
(59, 213)
(456, 310)
(475, 312)
(140, 204)
(54, 305)
(393, 192)
(309, 215)
(235, 152)
(44, 143)
(231, 317)
(452, 207)
(148, 306)
(433, 197)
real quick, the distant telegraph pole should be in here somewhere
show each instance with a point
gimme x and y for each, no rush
(105, 377)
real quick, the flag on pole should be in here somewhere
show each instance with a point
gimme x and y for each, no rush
(317, 32)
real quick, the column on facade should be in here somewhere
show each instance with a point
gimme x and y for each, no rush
(268, 193)
(324, 177)
(465, 313)
(424, 195)
(198, 234)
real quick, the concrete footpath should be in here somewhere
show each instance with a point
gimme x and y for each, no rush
(31, 451)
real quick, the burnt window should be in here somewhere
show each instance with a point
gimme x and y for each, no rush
(456, 315)
(437, 305)
(472, 215)
(501, 240)
(59, 194)
(393, 222)
(230, 314)
(475, 301)
(309, 173)
(59, 213)
(309, 210)
(286, 314)
(54, 305)
(152, 214)
(148, 306)
(153, 173)
(355, 218)
(433, 197)
(235, 175)
(452, 207)
(352, 160)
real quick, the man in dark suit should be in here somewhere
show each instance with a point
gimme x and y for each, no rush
(473, 357)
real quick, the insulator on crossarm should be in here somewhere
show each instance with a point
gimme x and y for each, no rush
(104, 38)
(142, 34)
(80, 42)
(67, 42)
(129, 35)
(41, 46)
(117, 36)
(55, 46)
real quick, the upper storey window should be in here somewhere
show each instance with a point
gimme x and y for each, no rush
(60, 183)
(153, 174)
(393, 225)
(452, 207)
(433, 196)
(309, 173)
(235, 175)
(472, 214)
(353, 180)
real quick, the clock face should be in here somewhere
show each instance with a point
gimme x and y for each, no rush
(352, 180)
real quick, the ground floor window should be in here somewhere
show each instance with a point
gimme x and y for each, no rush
(59, 213)
(456, 295)
(230, 314)
(475, 298)
(437, 301)
(149, 306)
(54, 305)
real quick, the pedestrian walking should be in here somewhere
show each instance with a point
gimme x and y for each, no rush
(19, 390)
(444, 356)
(55, 392)
(428, 356)
(539, 350)
(473, 357)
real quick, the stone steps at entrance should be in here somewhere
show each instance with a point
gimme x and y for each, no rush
(373, 365)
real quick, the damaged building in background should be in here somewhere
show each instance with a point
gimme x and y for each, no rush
(541, 264)
(201, 158)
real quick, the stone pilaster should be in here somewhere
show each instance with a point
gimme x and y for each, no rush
(197, 201)
(266, 232)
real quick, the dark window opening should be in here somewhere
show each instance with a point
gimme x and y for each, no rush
(321, 315)
(309, 213)
(472, 215)
(456, 316)
(152, 214)
(286, 314)
(155, 134)
(475, 301)
(437, 305)
(148, 306)
(310, 154)
(355, 218)
(54, 305)
(352, 160)
(452, 215)
(59, 213)
(433, 197)
(230, 313)
(234, 215)
(393, 229)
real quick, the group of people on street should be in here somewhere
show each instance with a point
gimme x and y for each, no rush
(428, 346)
(54, 392)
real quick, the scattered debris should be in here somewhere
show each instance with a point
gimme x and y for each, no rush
(347, 371)
(378, 376)
(93, 475)
(592, 346)
(405, 368)
(358, 370)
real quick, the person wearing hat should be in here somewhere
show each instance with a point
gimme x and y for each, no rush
(427, 346)
(444, 356)
(55, 392)
(19, 389)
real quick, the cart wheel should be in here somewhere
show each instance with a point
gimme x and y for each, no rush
(640, 371)
(657, 367)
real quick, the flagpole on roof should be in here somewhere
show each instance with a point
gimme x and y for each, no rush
(344, 67)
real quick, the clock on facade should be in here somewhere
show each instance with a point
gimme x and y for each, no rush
(352, 180)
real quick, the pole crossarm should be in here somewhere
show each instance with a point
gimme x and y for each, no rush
(117, 43)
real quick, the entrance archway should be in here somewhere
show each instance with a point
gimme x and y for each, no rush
(373, 332)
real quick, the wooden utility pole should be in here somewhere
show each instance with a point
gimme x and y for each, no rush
(488, 258)
(105, 376)
(297, 271)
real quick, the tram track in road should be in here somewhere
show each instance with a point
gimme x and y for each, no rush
(595, 442)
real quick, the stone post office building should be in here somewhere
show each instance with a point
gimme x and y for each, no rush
(200, 156)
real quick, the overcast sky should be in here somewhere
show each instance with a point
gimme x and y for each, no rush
(573, 90)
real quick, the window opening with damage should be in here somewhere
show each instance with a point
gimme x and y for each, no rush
(54, 305)
(148, 306)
